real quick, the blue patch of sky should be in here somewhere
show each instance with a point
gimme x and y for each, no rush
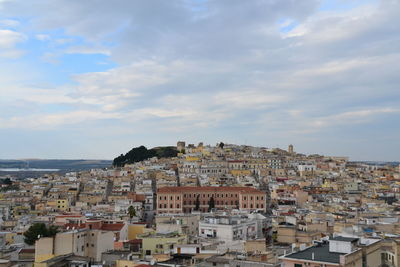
(285, 25)
(344, 5)
(50, 57)
(54, 108)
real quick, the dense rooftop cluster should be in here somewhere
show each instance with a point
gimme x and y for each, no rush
(222, 205)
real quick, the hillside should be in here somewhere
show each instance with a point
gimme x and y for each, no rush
(142, 153)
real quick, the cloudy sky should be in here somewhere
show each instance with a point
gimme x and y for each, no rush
(94, 78)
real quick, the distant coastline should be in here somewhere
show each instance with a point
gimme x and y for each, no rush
(28, 170)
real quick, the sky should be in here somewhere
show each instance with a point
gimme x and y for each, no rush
(92, 79)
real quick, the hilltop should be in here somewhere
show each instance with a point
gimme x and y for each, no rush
(140, 153)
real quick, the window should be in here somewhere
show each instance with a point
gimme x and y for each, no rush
(177, 205)
(160, 197)
(171, 197)
(177, 197)
(170, 206)
(160, 206)
(165, 206)
(298, 265)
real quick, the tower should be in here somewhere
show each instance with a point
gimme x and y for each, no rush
(290, 149)
(180, 146)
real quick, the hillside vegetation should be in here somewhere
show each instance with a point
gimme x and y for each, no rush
(140, 153)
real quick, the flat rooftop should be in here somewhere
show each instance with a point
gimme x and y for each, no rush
(321, 253)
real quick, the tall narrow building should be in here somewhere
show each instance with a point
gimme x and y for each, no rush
(290, 149)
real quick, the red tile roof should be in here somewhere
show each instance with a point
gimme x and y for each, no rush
(112, 226)
(182, 189)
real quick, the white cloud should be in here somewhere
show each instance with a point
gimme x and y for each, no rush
(358, 116)
(9, 23)
(43, 37)
(9, 38)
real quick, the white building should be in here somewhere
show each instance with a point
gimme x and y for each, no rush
(229, 228)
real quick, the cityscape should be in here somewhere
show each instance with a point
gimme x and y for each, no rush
(205, 205)
(199, 133)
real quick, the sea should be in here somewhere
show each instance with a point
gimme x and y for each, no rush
(28, 170)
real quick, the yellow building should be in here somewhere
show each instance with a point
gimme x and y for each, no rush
(191, 158)
(153, 243)
(134, 230)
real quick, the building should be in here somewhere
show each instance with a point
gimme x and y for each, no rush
(181, 223)
(338, 251)
(84, 242)
(290, 149)
(184, 199)
(157, 243)
(180, 146)
(228, 228)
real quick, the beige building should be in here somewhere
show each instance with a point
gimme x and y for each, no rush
(291, 235)
(89, 243)
(181, 223)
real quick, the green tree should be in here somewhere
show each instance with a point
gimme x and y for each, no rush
(211, 204)
(7, 181)
(197, 203)
(38, 230)
(131, 212)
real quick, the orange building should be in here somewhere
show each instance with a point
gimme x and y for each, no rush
(183, 199)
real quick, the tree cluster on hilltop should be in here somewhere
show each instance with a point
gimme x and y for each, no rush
(142, 153)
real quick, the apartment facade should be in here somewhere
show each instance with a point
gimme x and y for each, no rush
(184, 199)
